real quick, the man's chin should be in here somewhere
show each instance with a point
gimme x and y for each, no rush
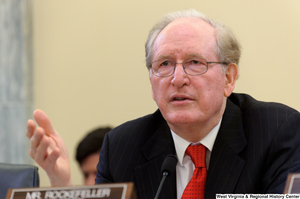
(181, 117)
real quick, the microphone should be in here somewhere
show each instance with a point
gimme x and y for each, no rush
(167, 168)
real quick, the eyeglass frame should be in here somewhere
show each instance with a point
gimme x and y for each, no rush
(175, 64)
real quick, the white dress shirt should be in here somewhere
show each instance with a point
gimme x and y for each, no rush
(185, 166)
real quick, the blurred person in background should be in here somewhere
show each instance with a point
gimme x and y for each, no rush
(88, 152)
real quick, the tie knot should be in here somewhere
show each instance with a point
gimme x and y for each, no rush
(197, 154)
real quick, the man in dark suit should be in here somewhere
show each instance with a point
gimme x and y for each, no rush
(255, 149)
(250, 146)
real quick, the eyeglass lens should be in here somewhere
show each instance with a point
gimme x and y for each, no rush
(195, 66)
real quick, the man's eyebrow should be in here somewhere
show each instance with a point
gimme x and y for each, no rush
(195, 55)
(163, 57)
(189, 56)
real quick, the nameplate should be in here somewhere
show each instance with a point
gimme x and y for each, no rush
(101, 191)
(292, 185)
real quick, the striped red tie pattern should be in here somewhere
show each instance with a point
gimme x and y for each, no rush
(196, 186)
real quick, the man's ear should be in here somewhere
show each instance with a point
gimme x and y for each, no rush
(150, 76)
(231, 75)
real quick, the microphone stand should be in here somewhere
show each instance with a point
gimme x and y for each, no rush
(165, 174)
(167, 168)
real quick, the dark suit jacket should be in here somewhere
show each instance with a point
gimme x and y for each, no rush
(257, 145)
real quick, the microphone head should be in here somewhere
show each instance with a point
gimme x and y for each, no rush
(169, 164)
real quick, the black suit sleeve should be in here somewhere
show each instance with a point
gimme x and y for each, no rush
(284, 155)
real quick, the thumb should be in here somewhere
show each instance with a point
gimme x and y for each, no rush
(44, 122)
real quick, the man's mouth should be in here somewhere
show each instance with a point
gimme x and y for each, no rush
(179, 98)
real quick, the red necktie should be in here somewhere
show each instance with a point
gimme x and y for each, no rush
(196, 186)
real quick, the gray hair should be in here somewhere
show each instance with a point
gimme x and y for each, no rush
(227, 50)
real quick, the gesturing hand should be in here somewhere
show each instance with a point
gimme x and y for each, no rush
(48, 149)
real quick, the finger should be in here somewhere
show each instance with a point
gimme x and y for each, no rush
(42, 150)
(43, 121)
(35, 140)
(30, 128)
(52, 158)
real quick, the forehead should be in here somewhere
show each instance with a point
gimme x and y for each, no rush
(186, 36)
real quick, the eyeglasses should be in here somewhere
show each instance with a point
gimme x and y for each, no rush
(194, 66)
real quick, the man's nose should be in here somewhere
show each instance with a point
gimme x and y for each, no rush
(90, 180)
(180, 78)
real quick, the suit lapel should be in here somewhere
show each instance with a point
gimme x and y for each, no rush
(148, 175)
(225, 164)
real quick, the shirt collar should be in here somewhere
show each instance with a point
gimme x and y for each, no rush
(208, 141)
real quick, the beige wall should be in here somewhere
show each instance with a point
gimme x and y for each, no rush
(89, 58)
